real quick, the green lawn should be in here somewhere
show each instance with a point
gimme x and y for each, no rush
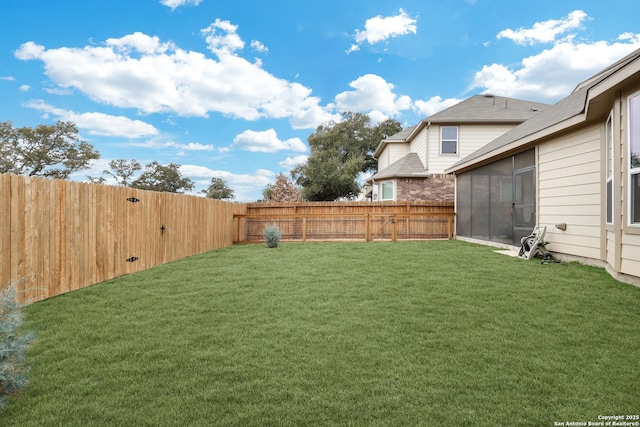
(364, 334)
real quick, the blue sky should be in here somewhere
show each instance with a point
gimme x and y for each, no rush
(233, 89)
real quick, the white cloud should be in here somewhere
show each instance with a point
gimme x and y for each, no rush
(24, 88)
(139, 42)
(8, 78)
(266, 142)
(258, 46)
(192, 146)
(98, 123)
(247, 187)
(379, 29)
(291, 162)
(142, 72)
(29, 50)
(174, 4)
(221, 37)
(374, 96)
(554, 72)
(545, 32)
(434, 105)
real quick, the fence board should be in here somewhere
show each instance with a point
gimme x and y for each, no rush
(364, 221)
(5, 229)
(58, 236)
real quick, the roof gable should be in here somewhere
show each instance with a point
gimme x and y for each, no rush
(488, 108)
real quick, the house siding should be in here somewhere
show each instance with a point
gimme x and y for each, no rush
(392, 153)
(471, 137)
(418, 145)
(629, 247)
(569, 191)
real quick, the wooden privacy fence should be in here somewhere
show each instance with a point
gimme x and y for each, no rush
(362, 221)
(58, 236)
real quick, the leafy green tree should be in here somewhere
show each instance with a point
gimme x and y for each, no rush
(218, 189)
(157, 177)
(52, 151)
(339, 152)
(123, 170)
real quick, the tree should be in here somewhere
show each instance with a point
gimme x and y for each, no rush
(163, 178)
(52, 151)
(123, 170)
(283, 190)
(339, 152)
(218, 189)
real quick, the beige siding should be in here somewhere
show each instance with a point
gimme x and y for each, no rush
(611, 248)
(419, 143)
(629, 245)
(630, 254)
(569, 171)
(470, 138)
(392, 153)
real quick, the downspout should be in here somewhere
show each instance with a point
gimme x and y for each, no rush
(373, 186)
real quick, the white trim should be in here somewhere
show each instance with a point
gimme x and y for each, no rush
(635, 171)
(393, 189)
(609, 168)
(449, 140)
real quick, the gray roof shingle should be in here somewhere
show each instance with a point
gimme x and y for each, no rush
(488, 108)
(408, 166)
(476, 109)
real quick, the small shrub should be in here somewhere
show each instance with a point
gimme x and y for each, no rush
(13, 346)
(272, 235)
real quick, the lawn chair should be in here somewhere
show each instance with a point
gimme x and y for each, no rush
(534, 245)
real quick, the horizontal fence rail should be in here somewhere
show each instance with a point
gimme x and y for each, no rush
(354, 221)
(58, 236)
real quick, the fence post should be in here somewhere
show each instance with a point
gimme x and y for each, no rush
(367, 236)
(304, 228)
(394, 229)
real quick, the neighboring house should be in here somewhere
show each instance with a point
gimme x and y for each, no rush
(574, 168)
(412, 163)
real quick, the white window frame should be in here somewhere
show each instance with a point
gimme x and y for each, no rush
(393, 190)
(457, 140)
(632, 172)
(609, 167)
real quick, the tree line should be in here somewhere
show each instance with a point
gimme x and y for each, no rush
(340, 153)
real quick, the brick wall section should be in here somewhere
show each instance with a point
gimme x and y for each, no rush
(437, 187)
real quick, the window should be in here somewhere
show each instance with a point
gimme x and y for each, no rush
(449, 139)
(387, 190)
(609, 167)
(634, 159)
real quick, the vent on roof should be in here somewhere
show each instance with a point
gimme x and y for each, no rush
(534, 109)
(488, 95)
